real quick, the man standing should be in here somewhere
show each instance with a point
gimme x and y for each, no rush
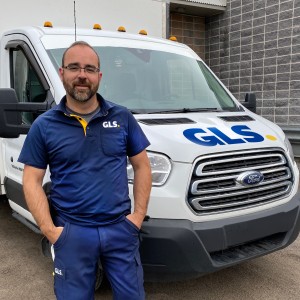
(85, 140)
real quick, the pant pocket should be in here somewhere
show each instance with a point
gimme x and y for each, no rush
(63, 236)
(133, 226)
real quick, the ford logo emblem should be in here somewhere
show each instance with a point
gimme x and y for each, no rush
(250, 178)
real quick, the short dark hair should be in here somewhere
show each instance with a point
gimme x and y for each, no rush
(79, 43)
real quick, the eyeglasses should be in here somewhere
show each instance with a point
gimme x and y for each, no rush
(77, 69)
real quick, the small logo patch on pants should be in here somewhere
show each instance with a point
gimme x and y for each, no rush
(59, 272)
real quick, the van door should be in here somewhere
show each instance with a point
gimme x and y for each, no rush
(27, 78)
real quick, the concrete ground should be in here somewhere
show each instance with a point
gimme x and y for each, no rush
(25, 274)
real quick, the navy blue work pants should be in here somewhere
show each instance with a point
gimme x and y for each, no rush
(78, 250)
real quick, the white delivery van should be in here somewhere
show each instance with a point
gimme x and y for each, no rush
(224, 179)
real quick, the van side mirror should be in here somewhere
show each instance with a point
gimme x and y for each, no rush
(250, 102)
(11, 125)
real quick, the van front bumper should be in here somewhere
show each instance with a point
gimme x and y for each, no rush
(180, 249)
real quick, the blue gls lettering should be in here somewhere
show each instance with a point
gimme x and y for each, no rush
(244, 130)
(220, 138)
(224, 137)
(204, 141)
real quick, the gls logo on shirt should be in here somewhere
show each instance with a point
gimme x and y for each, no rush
(110, 124)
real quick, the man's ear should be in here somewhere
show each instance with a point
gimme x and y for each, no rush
(61, 71)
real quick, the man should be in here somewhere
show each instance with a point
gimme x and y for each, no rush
(85, 140)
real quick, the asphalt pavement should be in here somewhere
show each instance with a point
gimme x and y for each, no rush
(25, 274)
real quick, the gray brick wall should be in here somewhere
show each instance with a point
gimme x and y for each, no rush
(189, 30)
(255, 46)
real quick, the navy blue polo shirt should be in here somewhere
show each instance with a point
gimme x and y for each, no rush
(88, 167)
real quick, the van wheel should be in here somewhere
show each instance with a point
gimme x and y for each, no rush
(99, 276)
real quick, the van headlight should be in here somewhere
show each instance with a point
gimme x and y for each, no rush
(160, 168)
(290, 148)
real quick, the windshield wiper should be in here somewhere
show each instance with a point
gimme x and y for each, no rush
(182, 110)
(185, 110)
(134, 112)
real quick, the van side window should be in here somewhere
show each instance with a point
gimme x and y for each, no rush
(25, 81)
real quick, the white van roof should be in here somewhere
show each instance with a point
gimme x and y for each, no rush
(62, 37)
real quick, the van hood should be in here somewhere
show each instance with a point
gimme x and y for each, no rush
(185, 137)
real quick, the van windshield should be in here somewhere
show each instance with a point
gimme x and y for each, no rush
(150, 81)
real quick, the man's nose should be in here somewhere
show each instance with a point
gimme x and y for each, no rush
(82, 73)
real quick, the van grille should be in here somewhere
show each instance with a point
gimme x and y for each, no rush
(214, 186)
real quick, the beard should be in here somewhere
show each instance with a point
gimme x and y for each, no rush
(81, 95)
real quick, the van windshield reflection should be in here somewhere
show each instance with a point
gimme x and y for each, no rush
(150, 81)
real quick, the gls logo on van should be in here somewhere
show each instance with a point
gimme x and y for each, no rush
(219, 138)
(110, 124)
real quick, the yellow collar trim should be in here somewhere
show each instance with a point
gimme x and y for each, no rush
(82, 121)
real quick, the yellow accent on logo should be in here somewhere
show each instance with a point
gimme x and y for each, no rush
(271, 137)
